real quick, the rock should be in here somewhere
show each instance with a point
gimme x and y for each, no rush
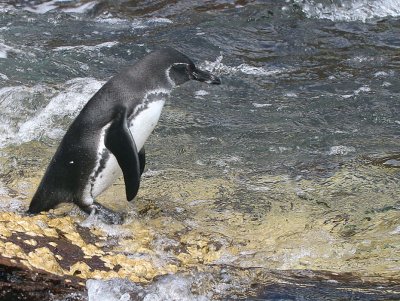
(19, 283)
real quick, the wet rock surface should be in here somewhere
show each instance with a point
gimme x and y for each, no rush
(19, 283)
(185, 225)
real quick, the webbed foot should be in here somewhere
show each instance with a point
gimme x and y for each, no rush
(107, 216)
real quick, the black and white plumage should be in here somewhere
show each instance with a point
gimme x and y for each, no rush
(107, 137)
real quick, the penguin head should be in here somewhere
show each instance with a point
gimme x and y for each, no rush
(182, 69)
(182, 72)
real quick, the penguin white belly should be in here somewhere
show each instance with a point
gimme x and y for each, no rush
(107, 176)
(144, 123)
(141, 127)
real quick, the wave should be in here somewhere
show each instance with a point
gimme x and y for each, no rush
(45, 7)
(27, 118)
(354, 10)
(5, 49)
(219, 68)
(87, 48)
(138, 23)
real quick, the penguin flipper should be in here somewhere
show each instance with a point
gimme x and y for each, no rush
(120, 143)
(142, 159)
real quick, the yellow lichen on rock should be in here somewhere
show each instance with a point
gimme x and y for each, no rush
(139, 240)
(11, 250)
(65, 224)
(4, 231)
(101, 274)
(80, 269)
(43, 258)
(31, 242)
(196, 255)
(134, 269)
(33, 226)
(91, 250)
(64, 236)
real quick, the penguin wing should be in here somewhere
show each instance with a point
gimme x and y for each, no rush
(142, 159)
(120, 143)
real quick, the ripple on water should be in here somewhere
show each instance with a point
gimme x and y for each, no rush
(261, 171)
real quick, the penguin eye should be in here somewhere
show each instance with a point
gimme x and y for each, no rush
(181, 68)
(180, 73)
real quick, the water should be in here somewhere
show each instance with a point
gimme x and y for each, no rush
(290, 164)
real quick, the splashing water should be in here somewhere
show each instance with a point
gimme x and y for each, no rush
(253, 188)
(354, 10)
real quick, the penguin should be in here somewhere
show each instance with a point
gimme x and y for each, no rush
(107, 137)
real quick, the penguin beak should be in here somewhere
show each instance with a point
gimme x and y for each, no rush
(204, 76)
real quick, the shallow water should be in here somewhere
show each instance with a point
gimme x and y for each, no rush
(291, 164)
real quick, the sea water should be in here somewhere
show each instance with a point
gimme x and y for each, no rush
(291, 164)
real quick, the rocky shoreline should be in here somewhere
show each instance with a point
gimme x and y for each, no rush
(19, 283)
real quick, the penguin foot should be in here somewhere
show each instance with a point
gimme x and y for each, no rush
(97, 211)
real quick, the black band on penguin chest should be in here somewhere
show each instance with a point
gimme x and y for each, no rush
(150, 97)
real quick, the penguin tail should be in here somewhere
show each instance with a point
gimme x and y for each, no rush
(43, 201)
(38, 205)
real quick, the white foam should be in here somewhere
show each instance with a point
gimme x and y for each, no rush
(3, 76)
(139, 23)
(111, 290)
(200, 93)
(111, 20)
(354, 10)
(362, 89)
(45, 7)
(5, 49)
(340, 150)
(143, 23)
(5, 8)
(292, 258)
(291, 94)
(88, 48)
(381, 74)
(42, 8)
(11, 205)
(392, 163)
(159, 20)
(3, 190)
(37, 123)
(171, 287)
(68, 103)
(218, 67)
(152, 173)
(395, 231)
(261, 105)
(16, 103)
(248, 69)
(93, 221)
(82, 8)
